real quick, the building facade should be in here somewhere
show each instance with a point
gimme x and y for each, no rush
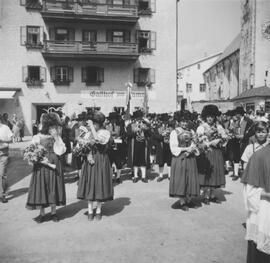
(80, 54)
(191, 83)
(222, 78)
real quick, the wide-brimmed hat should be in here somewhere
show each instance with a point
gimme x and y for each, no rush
(114, 115)
(210, 110)
(137, 114)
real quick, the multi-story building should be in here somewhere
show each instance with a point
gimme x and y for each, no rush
(242, 73)
(191, 83)
(78, 54)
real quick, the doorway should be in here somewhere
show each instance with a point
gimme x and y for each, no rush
(44, 107)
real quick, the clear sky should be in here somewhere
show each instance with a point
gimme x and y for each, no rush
(206, 27)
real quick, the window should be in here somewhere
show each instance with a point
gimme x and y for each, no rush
(144, 76)
(61, 75)
(266, 73)
(32, 36)
(188, 87)
(34, 75)
(31, 4)
(92, 75)
(146, 7)
(198, 66)
(146, 41)
(118, 2)
(118, 36)
(267, 106)
(202, 87)
(62, 34)
(89, 36)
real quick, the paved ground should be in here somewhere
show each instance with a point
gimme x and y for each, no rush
(140, 225)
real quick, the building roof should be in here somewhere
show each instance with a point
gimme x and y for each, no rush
(232, 48)
(251, 93)
(200, 60)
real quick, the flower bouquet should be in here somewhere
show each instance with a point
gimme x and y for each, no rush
(85, 148)
(34, 154)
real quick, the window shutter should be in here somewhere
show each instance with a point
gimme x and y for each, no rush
(71, 34)
(152, 75)
(153, 40)
(41, 34)
(127, 36)
(70, 74)
(24, 74)
(127, 2)
(153, 6)
(23, 35)
(42, 74)
(51, 33)
(109, 35)
(101, 74)
(84, 75)
(136, 75)
(22, 2)
(53, 77)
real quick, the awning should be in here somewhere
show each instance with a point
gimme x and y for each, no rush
(7, 94)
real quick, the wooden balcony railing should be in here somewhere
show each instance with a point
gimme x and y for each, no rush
(95, 48)
(88, 8)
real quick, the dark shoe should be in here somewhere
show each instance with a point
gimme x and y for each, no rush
(3, 199)
(98, 217)
(193, 205)
(118, 180)
(54, 218)
(159, 179)
(135, 179)
(184, 207)
(144, 180)
(206, 201)
(90, 217)
(235, 178)
(215, 200)
(40, 219)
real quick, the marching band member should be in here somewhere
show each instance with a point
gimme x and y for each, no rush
(211, 163)
(138, 133)
(184, 182)
(164, 155)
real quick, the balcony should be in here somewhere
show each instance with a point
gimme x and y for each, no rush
(94, 50)
(87, 10)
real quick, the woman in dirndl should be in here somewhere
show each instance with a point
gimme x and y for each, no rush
(95, 183)
(47, 186)
(184, 181)
(211, 162)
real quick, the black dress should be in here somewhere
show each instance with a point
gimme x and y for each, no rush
(47, 185)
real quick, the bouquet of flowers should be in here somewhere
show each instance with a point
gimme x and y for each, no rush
(34, 153)
(85, 148)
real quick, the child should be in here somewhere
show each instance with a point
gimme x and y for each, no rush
(95, 183)
(256, 180)
(47, 186)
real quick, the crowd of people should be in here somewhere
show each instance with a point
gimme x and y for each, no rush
(197, 149)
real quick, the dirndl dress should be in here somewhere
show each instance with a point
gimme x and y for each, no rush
(184, 180)
(95, 183)
(47, 185)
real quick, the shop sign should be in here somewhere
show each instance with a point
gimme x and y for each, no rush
(110, 94)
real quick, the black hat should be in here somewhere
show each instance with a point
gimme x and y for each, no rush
(137, 114)
(164, 117)
(210, 110)
(239, 110)
(229, 113)
(182, 115)
(113, 115)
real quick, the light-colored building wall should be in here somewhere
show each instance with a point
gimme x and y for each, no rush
(76, 96)
(262, 46)
(193, 74)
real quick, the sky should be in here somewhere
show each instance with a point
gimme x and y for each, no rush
(206, 27)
